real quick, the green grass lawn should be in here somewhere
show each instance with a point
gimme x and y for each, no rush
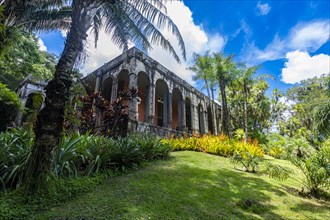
(192, 185)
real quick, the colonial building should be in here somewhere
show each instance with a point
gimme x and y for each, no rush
(167, 104)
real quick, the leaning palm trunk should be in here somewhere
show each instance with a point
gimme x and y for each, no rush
(50, 119)
(224, 110)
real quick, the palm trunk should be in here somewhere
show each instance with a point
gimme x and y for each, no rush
(245, 113)
(214, 114)
(211, 104)
(50, 119)
(224, 110)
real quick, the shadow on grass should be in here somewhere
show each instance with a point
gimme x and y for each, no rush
(222, 194)
(184, 188)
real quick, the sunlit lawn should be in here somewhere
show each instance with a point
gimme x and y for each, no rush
(192, 185)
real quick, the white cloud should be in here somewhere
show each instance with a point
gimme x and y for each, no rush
(64, 33)
(300, 66)
(263, 9)
(41, 45)
(309, 36)
(245, 28)
(195, 38)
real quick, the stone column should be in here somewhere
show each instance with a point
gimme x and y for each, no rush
(133, 104)
(19, 115)
(147, 104)
(169, 104)
(183, 115)
(97, 83)
(165, 110)
(152, 93)
(206, 121)
(114, 88)
(194, 117)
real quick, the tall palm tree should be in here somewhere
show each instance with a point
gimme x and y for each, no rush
(224, 66)
(203, 68)
(140, 21)
(246, 80)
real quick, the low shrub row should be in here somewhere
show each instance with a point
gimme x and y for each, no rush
(219, 145)
(78, 155)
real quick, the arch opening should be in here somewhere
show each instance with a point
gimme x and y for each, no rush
(201, 119)
(176, 109)
(32, 107)
(161, 103)
(123, 81)
(188, 114)
(107, 88)
(143, 87)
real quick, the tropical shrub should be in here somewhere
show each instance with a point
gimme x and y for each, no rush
(316, 170)
(15, 149)
(249, 161)
(276, 145)
(276, 171)
(247, 154)
(77, 155)
(298, 147)
(66, 156)
(9, 105)
(96, 152)
(152, 147)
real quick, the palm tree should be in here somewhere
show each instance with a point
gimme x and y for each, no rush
(204, 70)
(224, 66)
(138, 21)
(246, 80)
(31, 15)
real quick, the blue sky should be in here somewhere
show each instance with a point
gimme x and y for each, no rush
(290, 39)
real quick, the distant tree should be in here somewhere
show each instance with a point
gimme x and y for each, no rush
(24, 58)
(224, 67)
(309, 109)
(246, 80)
(203, 68)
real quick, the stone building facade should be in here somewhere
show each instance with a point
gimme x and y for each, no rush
(28, 91)
(167, 105)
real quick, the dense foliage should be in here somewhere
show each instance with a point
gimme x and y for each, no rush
(9, 105)
(306, 104)
(77, 155)
(24, 58)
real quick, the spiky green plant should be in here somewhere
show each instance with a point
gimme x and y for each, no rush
(15, 149)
